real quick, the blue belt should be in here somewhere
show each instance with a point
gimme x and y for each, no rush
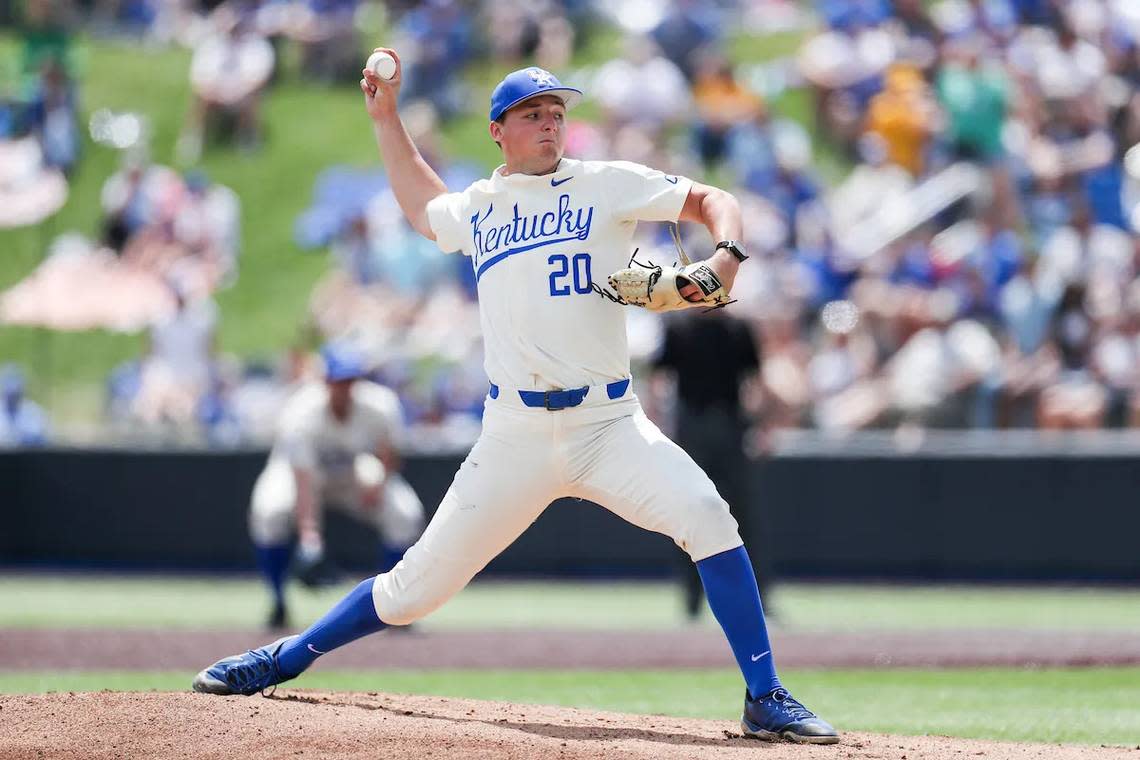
(567, 397)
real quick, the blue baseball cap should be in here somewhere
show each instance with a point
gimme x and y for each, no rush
(526, 83)
(343, 362)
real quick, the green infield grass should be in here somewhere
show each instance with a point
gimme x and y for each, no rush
(1092, 706)
(35, 600)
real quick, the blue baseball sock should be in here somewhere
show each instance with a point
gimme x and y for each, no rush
(273, 561)
(390, 555)
(352, 618)
(730, 586)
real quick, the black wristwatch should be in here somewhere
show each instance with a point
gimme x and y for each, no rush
(734, 248)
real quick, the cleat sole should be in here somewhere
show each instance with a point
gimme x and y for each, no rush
(790, 736)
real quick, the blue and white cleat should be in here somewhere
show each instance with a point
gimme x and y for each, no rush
(246, 674)
(778, 715)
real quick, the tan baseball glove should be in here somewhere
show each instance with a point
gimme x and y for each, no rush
(658, 288)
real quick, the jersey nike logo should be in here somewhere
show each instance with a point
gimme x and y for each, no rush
(314, 650)
(756, 657)
(557, 182)
(671, 180)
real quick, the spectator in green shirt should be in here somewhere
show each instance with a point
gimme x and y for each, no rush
(975, 96)
(46, 35)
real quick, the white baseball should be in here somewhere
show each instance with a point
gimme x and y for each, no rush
(383, 64)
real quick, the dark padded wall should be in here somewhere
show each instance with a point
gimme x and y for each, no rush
(906, 517)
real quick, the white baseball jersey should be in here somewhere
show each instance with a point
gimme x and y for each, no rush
(309, 436)
(536, 243)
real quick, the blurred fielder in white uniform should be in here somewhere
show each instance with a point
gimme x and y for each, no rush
(560, 418)
(337, 447)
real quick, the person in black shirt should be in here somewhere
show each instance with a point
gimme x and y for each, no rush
(710, 355)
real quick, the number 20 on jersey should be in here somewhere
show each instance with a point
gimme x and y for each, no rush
(569, 272)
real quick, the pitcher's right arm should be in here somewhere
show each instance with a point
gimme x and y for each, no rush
(413, 182)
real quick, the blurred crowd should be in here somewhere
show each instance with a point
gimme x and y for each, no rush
(941, 199)
(1000, 289)
(971, 262)
(40, 134)
(38, 99)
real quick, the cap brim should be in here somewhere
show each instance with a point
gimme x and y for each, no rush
(570, 98)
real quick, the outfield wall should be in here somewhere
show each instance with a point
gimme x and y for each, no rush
(927, 515)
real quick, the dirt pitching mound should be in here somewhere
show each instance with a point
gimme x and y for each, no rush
(300, 724)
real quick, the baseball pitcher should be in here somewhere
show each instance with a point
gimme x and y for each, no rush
(543, 233)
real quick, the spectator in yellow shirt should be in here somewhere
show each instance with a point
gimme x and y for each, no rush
(722, 102)
(904, 114)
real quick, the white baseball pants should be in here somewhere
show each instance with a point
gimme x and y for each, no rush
(605, 451)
